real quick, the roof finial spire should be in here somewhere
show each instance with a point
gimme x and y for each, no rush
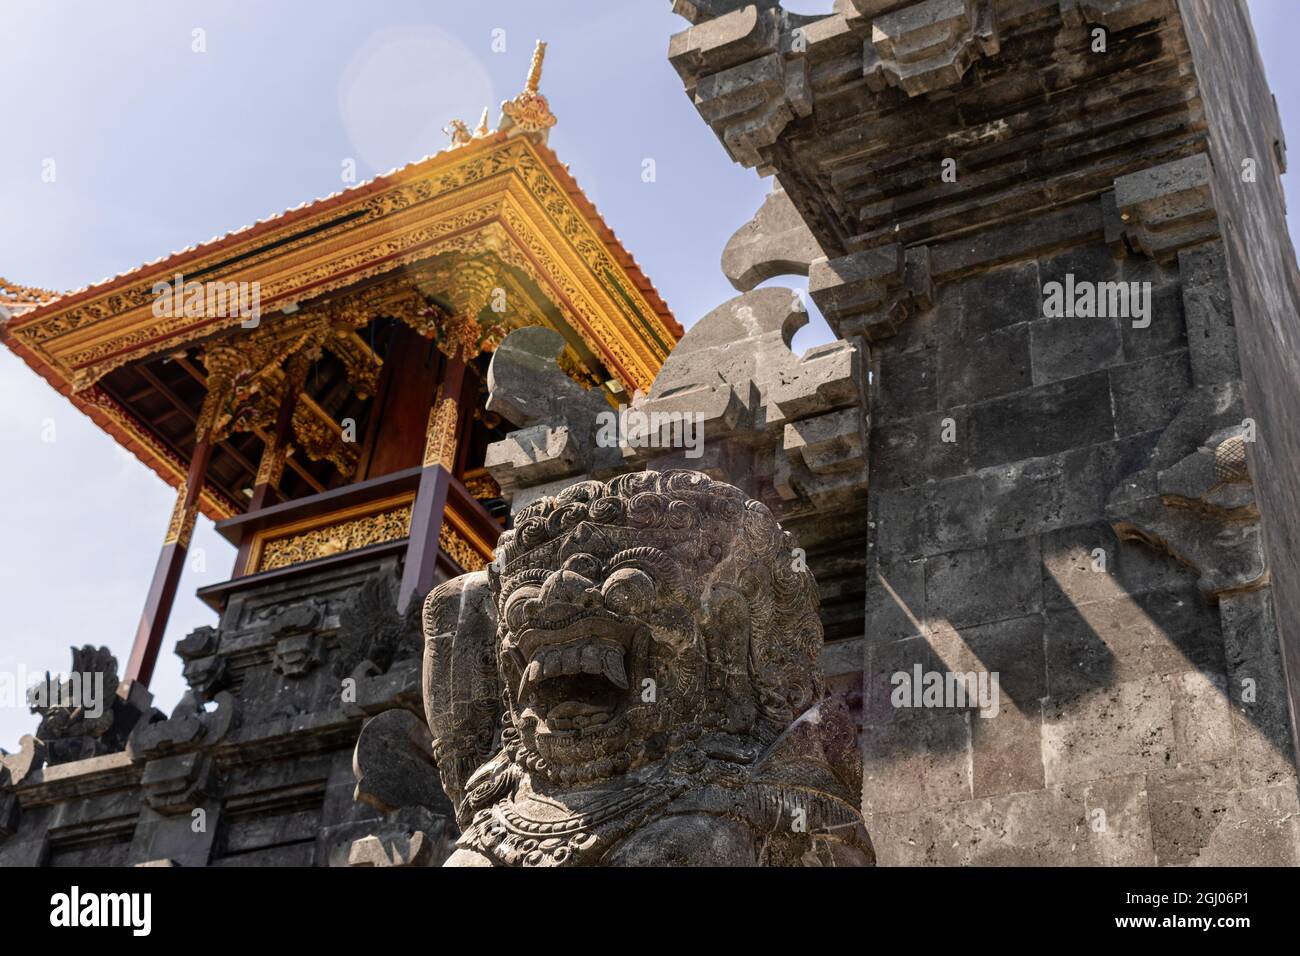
(482, 129)
(535, 68)
(459, 133)
(529, 111)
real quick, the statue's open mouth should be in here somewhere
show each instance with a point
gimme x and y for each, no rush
(574, 677)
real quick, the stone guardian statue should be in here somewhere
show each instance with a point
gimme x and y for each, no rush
(635, 681)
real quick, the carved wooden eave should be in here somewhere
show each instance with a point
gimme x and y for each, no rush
(502, 195)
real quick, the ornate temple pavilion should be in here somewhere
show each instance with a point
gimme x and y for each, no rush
(315, 382)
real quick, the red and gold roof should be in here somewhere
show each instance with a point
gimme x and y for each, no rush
(500, 197)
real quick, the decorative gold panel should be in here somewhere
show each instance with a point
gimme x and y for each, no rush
(462, 543)
(359, 527)
(459, 549)
(440, 435)
(327, 535)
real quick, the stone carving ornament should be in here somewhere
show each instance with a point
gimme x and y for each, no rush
(635, 681)
(91, 712)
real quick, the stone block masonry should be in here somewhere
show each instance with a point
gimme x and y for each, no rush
(1090, 497)
(1121, 726)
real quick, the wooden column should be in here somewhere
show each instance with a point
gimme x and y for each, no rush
(167, 575)
(271, 467)
(431, 497)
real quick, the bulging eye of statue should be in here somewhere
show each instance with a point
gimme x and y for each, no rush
(514, 610)
(628, 591)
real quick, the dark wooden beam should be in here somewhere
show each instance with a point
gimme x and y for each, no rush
(136, 396)
(179, 405)
(168, 415)
(374, 415)
(297, 467)
(167, 573)
(234, 529)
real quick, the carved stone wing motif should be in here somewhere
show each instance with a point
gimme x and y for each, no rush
(462, 693)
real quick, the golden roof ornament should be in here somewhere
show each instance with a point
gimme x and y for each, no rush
(459, 133)
(20, 298)
(529, 111)
(482, 129)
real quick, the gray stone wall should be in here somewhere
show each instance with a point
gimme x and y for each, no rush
(1117, 739)
(1265, 282)
(1069, 503)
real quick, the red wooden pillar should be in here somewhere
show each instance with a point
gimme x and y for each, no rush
(431, 497)
(167, 575)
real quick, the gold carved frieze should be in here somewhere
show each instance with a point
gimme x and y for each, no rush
(634, 357)
(180, 527)
(460, 542)
(339, 533)
(460, 550)
(361, 254)
(440, 434)
(482, 486)
(361, 527)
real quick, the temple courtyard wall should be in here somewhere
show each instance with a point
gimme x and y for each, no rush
(1122, 737)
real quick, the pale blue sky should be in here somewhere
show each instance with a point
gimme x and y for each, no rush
(157, 148)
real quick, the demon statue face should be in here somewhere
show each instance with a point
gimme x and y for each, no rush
(635, 680)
